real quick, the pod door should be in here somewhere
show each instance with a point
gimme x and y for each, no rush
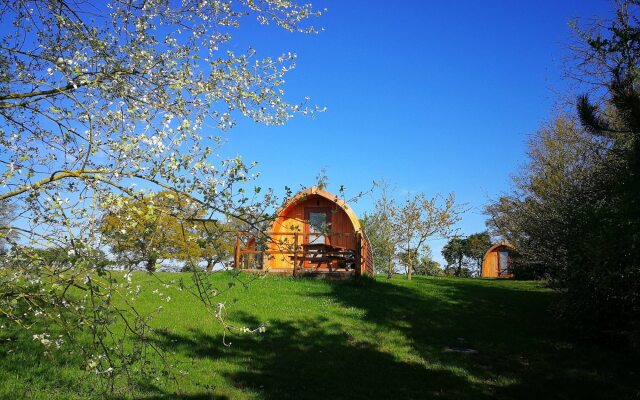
(318, 223)
(504, 263)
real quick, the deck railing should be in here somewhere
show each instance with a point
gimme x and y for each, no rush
(292, 248)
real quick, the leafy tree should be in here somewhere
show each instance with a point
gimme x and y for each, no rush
(575, 210)
(215, 242)
(399, 232)
(418, 219)
(466, 254)
(429, 267)
(166, 226)
(146, 229)
(476, 247)
(379, 231)
(425, 264)
(454, 254)
(557, 180)
(62, 260)
(604, 285)
(124, 98)
(409, 259)
(322, 180)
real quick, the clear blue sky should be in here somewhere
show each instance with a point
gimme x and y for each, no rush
(432, 96)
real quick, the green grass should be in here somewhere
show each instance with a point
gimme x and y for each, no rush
(371, 339)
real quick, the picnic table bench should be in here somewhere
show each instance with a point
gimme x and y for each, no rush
(322, 253)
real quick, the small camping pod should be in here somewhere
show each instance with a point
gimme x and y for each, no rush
(316, 232)
(497, 261)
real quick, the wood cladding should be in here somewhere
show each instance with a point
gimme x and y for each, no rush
(342, 230)
(493, 266)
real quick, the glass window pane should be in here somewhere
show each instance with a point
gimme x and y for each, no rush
(317, 223)
(504, 262)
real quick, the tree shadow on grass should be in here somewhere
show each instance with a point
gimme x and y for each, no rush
(505, 338)
(159, 394)
(314, 359)
(450, 340)
(28, 370)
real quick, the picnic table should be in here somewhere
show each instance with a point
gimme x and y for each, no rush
(323, 253)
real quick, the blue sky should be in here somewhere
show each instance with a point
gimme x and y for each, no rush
(432, 96)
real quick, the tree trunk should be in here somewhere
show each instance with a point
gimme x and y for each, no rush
(410, 268)
(151, 264)
(390, 269)
(209, 265)
(459, 270)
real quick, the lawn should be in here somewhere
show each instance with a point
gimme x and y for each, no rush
(428, 338)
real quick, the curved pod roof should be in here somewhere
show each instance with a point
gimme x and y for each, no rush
(314, 190)
(495, 246)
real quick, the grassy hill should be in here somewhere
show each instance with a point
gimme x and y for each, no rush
(428, 338)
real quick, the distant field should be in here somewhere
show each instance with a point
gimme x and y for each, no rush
(428, 338)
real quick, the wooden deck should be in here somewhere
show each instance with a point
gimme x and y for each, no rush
(298, 254)
(321, 273)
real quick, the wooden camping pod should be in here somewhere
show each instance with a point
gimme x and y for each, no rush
(497, 262)
(314, 232)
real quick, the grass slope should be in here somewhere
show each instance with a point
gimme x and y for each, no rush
(360, 340)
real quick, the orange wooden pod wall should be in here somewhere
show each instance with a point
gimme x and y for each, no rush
(294, 216)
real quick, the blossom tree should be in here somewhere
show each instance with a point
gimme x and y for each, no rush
(122, 98)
